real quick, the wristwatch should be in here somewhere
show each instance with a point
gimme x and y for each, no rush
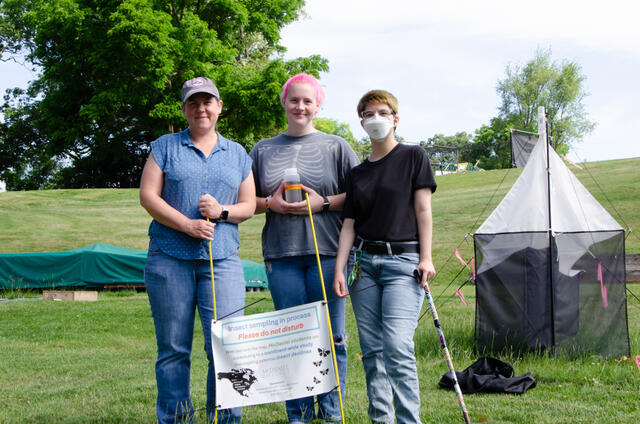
(224, 214)
(326, 204)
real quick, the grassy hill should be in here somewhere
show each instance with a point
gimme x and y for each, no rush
(77, 362)
(56, 220)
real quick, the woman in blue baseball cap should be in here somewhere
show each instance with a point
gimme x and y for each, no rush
(194, 181)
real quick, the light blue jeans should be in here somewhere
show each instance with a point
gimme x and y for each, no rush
(295, 281)
(175, 288)
(386, 302)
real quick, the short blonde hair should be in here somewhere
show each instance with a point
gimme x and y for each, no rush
(378, 96)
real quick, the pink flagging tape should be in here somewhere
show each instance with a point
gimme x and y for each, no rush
(603, 288)
(460, 258)
(459, 293)
(571, 162)
(637, 358)
(473, 269)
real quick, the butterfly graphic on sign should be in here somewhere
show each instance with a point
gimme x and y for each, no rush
(323, 352)
(325, 372)
(317, 363)
(315, 380)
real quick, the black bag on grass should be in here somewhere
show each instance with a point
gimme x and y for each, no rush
(489, 375)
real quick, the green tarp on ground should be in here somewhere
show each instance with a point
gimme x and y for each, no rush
(94, 266)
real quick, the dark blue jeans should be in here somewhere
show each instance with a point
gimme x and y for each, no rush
(175, 288)
(295, 281)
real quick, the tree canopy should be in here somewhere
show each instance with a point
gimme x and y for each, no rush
(362, 147)
(332, 126)
(110, 74)
(448, 149)
(559, 87)
(491, 145)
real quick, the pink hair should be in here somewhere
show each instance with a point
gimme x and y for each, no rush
(306, 79)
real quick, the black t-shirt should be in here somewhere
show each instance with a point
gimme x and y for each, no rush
(380, 194)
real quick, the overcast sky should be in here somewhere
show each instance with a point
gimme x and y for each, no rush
(442, 60)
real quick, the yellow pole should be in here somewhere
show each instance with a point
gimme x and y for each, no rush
(215, 314)
(326, 306)
(213, 284)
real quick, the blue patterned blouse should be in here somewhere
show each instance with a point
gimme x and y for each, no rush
(188, 174)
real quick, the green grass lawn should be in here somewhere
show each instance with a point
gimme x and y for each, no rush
(75, 362)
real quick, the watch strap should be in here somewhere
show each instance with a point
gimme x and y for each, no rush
(224, 214)
(326, 204)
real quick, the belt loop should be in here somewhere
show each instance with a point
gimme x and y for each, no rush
(389, 251)
(361, 243)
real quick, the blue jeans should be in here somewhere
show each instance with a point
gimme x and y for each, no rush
(386, 302)
(295, 281)
(175, 287)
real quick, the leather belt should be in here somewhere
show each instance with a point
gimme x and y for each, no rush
(387, 247)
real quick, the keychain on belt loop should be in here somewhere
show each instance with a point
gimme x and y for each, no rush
(326, 305)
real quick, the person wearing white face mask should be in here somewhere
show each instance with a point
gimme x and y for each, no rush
(378, 123)
(388, 229)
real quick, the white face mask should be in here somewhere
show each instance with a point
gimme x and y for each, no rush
(378, 128)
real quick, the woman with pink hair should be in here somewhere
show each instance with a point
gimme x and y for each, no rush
(322, 162)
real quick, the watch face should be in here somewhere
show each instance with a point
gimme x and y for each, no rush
(224, 215)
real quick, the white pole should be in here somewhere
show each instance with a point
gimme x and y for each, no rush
(542, 125)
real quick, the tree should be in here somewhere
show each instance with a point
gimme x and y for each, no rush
(448, 149)
(331, 126)
(489, 148)
(491, 145)
(111, 74)
(559, 87)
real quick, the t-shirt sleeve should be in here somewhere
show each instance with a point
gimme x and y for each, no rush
(348, 160)
(247, 163)
(423, 174)
(255, 157)
(159, 151)
(347, 208)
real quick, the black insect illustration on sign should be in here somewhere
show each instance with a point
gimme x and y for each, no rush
(325, 372)
(323, 352)
(315, 380)
(242, 379)
(317, 363)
